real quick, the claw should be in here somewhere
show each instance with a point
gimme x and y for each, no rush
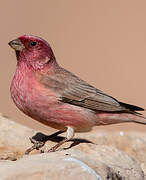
(37, 145)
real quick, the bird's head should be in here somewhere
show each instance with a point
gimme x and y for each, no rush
(33, 50)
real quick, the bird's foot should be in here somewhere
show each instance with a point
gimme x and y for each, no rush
(69, 136)
(54, 148)
(39, 140)
(51, 150)
(36, 145)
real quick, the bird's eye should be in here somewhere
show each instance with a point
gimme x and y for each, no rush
(33, 43)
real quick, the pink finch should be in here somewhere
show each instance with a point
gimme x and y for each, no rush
(57, 98)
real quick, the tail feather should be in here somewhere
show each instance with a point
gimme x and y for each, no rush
(115, 118)
(140, 120)
(133, 110)
(131, 107)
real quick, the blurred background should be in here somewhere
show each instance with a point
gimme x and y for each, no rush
(103, 42)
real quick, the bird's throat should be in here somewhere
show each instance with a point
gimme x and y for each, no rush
(17, 54)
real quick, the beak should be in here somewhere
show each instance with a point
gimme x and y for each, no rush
(17, 45)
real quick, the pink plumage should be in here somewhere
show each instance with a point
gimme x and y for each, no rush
(57, 98)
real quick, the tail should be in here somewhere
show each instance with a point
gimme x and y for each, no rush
(115, 118)
(133, 110)
(140, 120)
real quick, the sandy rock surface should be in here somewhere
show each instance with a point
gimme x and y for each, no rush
(93, 155)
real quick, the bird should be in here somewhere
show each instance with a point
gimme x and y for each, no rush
(52, 95)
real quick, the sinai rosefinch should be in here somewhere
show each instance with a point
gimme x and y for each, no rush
(57, 98)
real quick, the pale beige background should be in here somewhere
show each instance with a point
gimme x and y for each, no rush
(104, 42)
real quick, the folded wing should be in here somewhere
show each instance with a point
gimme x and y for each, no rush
(72, 90)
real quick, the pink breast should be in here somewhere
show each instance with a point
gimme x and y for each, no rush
(42, 105)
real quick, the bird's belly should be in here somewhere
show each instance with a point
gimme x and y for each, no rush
(48, 110)
(64, 115)
(60, 116)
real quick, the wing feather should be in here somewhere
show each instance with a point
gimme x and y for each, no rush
(75, 91)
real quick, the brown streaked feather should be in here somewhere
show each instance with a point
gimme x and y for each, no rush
(77, 92)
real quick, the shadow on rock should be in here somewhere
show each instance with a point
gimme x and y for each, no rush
(55, 138)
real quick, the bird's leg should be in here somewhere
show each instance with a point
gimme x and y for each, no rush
(69, 136)
(37, 144)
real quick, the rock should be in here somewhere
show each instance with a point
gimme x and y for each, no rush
(133, 143)
(112, 156)
(143, 166)
(14, 139)
(101, 162)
